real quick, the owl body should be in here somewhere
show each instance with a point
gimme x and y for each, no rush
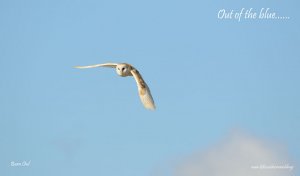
(123, 70)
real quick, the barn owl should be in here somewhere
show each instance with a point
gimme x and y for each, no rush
(124, 69)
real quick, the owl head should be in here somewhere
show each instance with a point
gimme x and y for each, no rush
(123, 70)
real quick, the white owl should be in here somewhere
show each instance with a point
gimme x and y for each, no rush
(124, 69)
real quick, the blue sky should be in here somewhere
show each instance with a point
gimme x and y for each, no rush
(207, 76)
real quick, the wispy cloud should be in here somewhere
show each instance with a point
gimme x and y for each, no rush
(239, 154)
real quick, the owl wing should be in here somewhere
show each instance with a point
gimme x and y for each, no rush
(144, 91)
(112, 65)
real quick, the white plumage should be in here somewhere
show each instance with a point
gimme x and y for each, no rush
(124, 69)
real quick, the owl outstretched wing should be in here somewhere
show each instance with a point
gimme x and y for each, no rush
(143, 89)
(112, 65)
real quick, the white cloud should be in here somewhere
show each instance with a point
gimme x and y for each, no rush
(238, 154)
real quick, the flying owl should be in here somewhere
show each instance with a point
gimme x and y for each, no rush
(124, 69)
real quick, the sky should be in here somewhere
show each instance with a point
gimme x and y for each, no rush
(212, 79)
